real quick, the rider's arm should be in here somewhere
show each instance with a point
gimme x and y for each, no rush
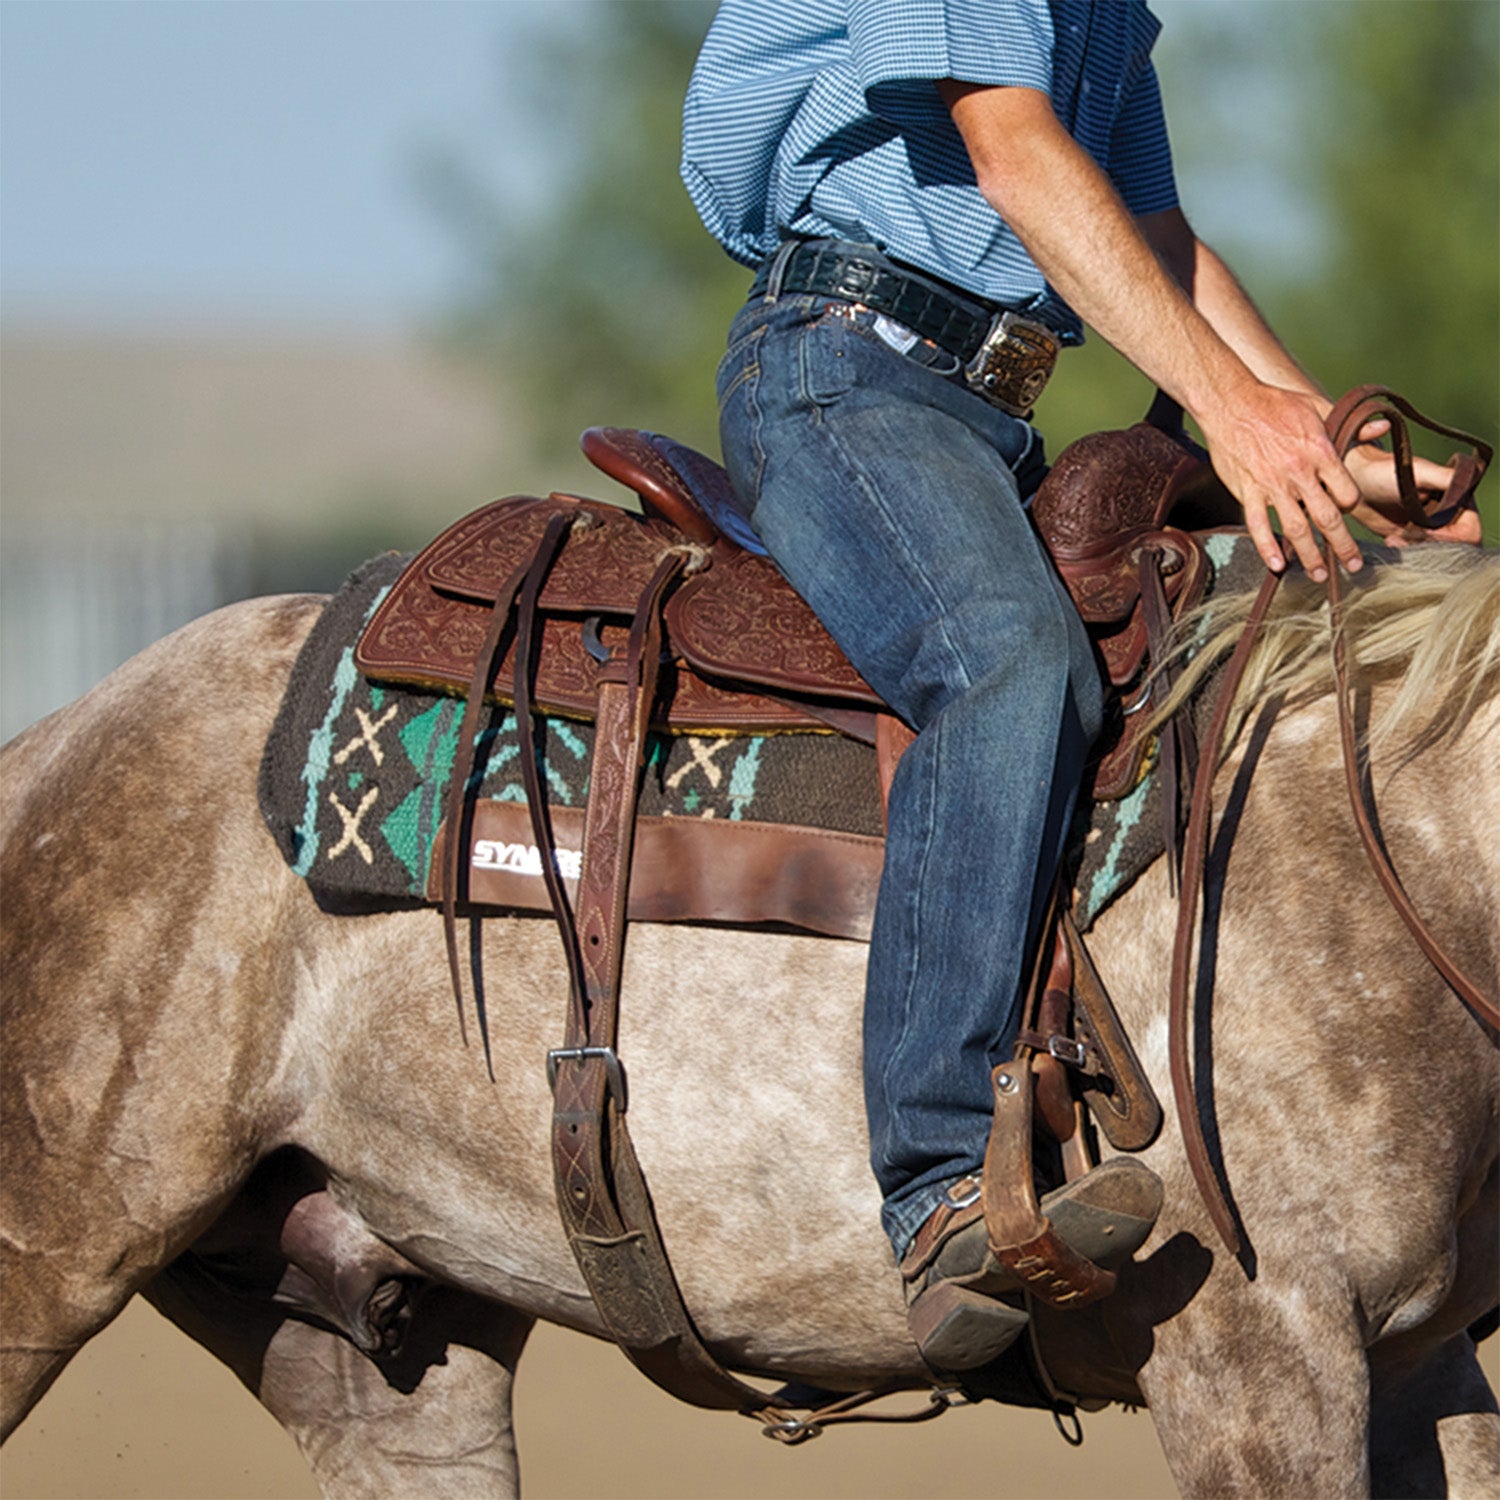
(1266, 438)
(1267, 442)
(1218, 295)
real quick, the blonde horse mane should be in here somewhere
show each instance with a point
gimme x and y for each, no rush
(1425, 618)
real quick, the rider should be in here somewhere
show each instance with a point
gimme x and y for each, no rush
(907, 176)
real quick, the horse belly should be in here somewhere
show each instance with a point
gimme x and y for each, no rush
(742, 1055)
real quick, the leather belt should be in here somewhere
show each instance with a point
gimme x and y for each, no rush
(1007, 358)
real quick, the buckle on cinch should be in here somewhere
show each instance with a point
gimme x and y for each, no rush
(1013, 365)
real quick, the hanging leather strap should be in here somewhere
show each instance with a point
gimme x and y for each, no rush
(1344, 422)
(466, 753)
(601, 1191)
(1194, 857)
(1178, 745)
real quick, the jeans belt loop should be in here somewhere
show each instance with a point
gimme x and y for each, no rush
(777, 273)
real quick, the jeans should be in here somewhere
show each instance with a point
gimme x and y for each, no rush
(891, 497)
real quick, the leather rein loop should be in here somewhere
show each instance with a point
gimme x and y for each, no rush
(1348, 417)
(1368, 403)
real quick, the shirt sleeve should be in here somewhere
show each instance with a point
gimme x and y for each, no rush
(900, 48)
(1140, 157)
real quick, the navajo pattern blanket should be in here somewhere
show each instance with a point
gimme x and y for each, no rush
(355, 775)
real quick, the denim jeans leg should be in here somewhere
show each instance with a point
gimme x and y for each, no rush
(887, 495)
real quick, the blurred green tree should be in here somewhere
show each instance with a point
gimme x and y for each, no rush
(1401, 142)
(611, 305)
(1392, 154)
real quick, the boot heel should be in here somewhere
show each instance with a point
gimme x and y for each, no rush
(957, 1329)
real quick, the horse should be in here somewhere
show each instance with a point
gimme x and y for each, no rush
(201, 1062)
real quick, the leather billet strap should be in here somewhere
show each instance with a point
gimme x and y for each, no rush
(1179, 748)
(1344, 422)
(601, 1191)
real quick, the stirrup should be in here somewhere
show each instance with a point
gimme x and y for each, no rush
(1104, 1215)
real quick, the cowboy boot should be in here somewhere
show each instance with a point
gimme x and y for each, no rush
(954, 1281)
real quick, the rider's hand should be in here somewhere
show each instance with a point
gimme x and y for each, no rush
(1374, 471)
(1270, 448)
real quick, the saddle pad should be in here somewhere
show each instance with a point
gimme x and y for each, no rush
(354, 775)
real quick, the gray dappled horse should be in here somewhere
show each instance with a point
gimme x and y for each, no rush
(212, 1087)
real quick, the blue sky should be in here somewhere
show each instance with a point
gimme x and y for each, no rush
(250, 161)
(240, 158)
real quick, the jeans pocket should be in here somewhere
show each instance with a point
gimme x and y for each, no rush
(826, 356)
(741, 362)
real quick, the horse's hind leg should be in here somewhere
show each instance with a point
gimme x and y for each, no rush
(98, 1193)
(1434, 1426)
(434, 1421)
(145, 994)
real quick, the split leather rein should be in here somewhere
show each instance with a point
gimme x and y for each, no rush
(1349, 416)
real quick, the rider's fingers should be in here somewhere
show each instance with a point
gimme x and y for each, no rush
(1258, 524)
(1336, 482)
(1430, 475)
(1304, 541)
(1327, 517)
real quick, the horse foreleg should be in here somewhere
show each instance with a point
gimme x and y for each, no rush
(433, 1421)
(1263, 1391)
(1435, 1426)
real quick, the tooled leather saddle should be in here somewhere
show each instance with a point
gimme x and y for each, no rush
(662, 621)
(1118, 513)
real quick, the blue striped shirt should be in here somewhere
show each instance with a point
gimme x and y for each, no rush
(821, 118)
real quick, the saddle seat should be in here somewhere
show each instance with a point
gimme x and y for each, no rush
(1117, 510)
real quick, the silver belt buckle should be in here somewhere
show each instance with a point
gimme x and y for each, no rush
(1013, 364)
